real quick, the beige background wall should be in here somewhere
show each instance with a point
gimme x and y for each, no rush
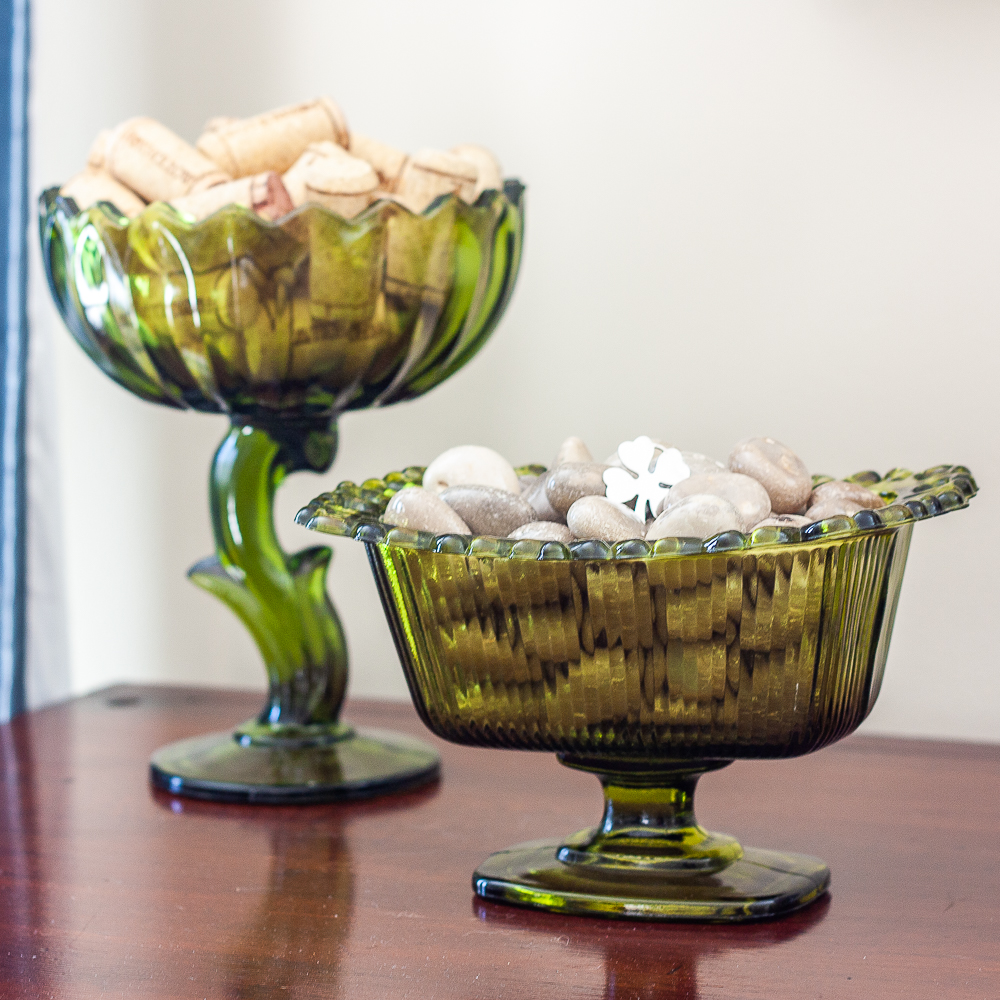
(770, 218)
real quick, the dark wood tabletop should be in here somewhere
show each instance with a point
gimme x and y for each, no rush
(110, 889)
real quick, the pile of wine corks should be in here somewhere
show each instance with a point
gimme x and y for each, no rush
(645, 490)
(272, 163)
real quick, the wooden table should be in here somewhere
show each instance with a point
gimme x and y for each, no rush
(112, 890)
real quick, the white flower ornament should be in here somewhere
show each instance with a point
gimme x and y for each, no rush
(642, 480)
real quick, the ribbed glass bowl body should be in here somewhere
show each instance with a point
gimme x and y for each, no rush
(309, 315)
(770, 652)
(763, 645)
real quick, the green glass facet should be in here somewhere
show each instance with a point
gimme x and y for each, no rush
(282, 326)
(647, 666)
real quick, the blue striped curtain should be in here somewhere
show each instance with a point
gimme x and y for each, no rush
(14, 48)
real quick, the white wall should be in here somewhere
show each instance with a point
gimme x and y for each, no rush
(771, 218)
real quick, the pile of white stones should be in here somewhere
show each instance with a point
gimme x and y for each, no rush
(645, 490)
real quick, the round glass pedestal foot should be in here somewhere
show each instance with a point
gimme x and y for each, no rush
(350, 764)
(760, 884)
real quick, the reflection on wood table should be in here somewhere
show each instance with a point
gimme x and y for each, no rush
(110, 889)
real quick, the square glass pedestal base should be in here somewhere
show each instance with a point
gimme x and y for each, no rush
(760, 884)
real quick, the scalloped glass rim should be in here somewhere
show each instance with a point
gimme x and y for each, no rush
(412, 337)
(512, 189)
(354, 511)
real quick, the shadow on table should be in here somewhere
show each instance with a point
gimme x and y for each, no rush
(651, 961)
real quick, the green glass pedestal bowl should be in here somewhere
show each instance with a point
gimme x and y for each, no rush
(283, 326)
(647, 665)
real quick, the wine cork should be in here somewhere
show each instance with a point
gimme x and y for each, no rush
(338, 312)
(157, 164)
(387, 162)
(95, 156)
(490, 175)
(264, 193)
(219, 122)
(294, 177)
(275, 139)
(431, 173)
(344, 184)
(420, 254)
(92, 186)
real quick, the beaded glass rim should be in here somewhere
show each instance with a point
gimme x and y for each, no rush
(354, 511)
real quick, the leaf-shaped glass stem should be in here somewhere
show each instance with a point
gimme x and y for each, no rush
(280, 598)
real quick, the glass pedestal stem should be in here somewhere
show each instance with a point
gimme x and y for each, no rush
(649, 820)
(296, 750)
(649, 859)
(280, 598)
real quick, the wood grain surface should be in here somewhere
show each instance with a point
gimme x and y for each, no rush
(112, 890)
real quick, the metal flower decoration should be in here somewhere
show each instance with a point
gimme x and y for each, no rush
(646, 476)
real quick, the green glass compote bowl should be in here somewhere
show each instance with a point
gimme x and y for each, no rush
(283, 326)
(647, 665)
